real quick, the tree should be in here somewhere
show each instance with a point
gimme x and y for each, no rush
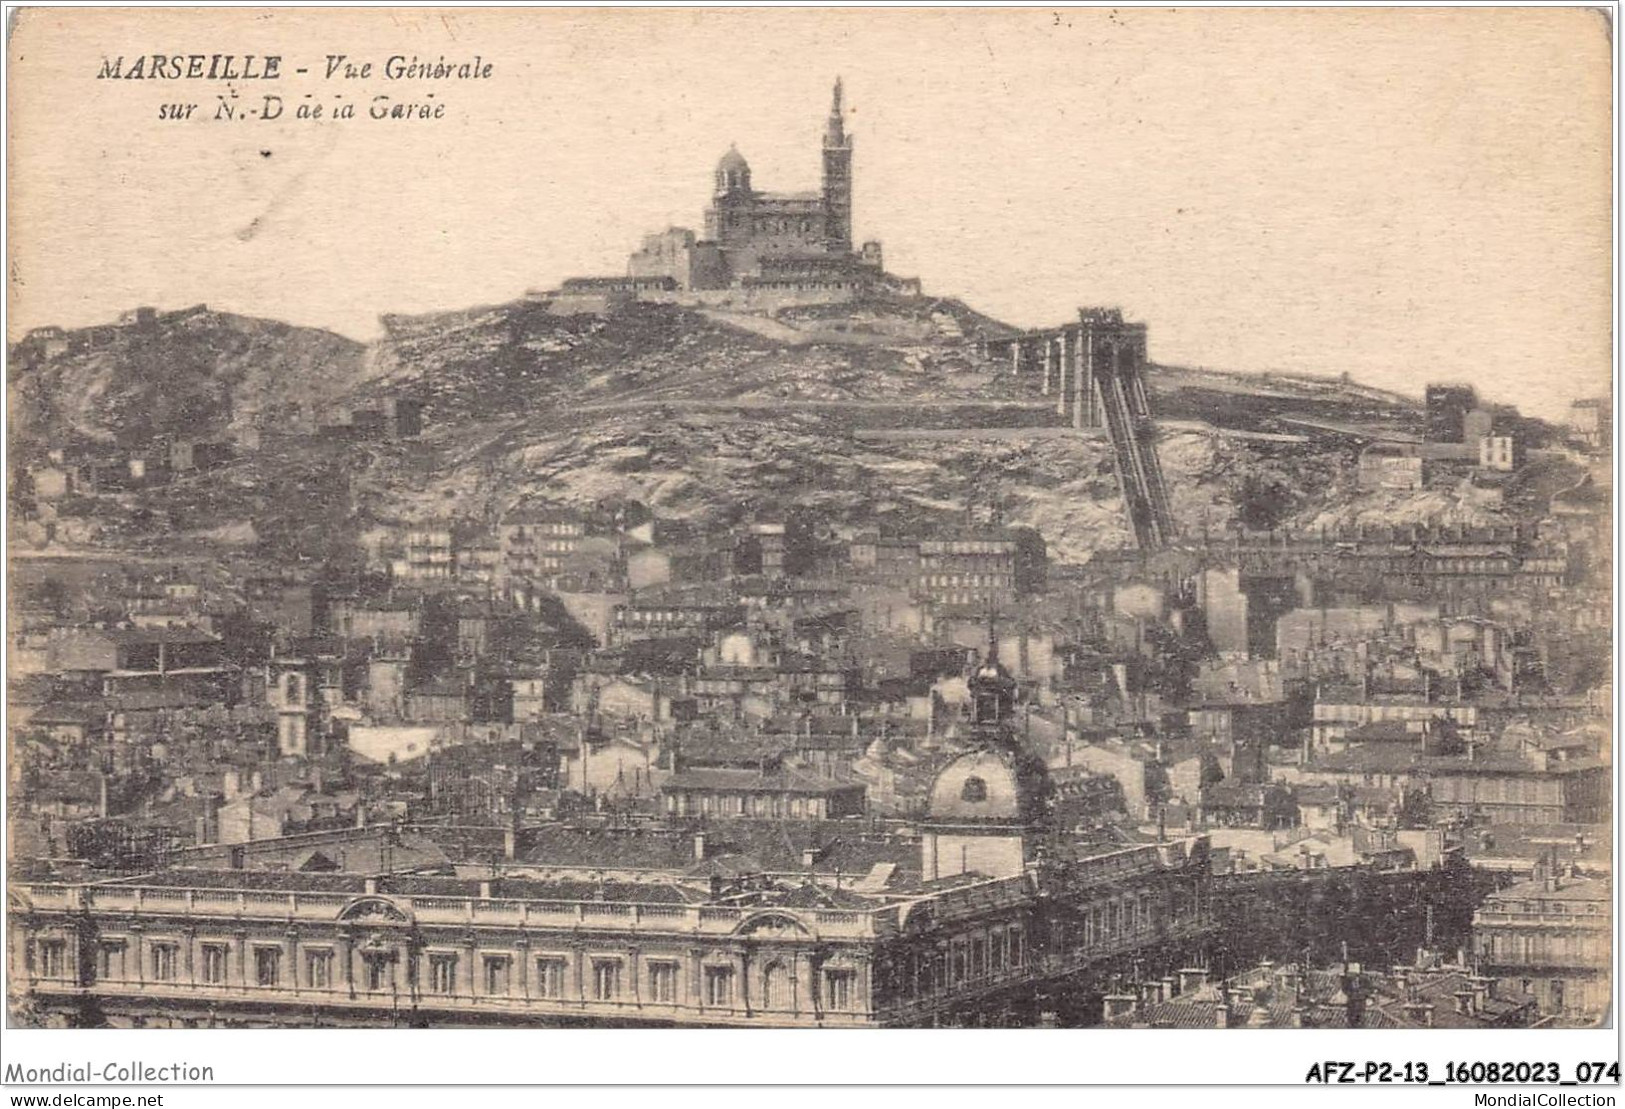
(1279, 808)
(1264, 501)
(1416, 809)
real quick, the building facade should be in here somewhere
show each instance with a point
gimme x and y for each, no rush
(1551, 939)
(201, 947)
(535, 545)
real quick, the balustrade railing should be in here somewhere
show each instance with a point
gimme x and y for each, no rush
(297, 906)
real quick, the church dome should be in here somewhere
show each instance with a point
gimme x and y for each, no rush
(981, 785)
(733, 172)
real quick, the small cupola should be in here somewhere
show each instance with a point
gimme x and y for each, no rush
(733, 173)
(992, 688)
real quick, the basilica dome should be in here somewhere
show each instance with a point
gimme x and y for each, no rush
(733, 172)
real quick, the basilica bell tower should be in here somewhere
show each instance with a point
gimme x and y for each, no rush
(837, 179)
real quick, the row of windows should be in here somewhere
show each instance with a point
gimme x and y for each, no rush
(968, 959)
(964, 580)
(967, 547)
(958, 598)
(760, 225)
(1126, 916)
(1587, 908)
(605, 980)
(1501, 790)
(1560, 948)
(530, 548)
(732, 804)
(523, 531)
(114, 960)
(527, 564)
(659, 616)
(417, 571)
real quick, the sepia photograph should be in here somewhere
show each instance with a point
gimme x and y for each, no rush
(1094, 520)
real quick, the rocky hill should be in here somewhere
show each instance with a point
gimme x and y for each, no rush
(873, 413)
(191, 373)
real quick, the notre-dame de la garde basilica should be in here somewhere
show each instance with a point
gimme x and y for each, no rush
(759, 250)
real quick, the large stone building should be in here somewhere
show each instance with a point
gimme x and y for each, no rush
(967, 566)
(262, 947)
(1550, 939)
(756, 237)
(758, 249)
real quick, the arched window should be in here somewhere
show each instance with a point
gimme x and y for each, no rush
(975, 789)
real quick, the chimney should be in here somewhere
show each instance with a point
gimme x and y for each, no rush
(1287, 977)
(1464, 1002)
(510, 844)
(1356, 1003)
(1420, 1013)
(1483, 991)
(1192, 978)
(370, 883)
(1119, 1005)
(699, 847)
(1221, 1012)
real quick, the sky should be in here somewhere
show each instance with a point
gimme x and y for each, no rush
(1402, 195)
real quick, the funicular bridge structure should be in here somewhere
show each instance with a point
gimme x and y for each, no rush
(1095, 370)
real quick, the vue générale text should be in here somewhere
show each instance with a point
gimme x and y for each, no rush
(270, 67)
